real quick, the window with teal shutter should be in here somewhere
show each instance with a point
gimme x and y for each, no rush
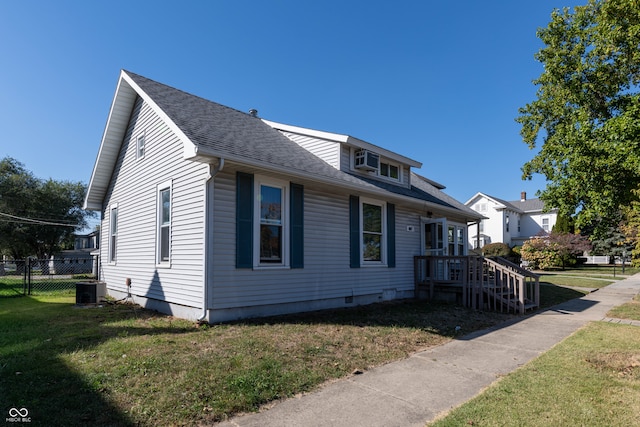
(244, 220)
(297, 226)
(263, 237)
(354, 231)
(391, 235)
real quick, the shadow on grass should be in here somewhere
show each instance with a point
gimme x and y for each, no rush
(33, 373)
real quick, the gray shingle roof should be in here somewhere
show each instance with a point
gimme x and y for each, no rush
(237, 136)
(529, 205)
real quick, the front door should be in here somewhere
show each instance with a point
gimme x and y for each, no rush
(433, 237)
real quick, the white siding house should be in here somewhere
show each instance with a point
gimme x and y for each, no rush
(210, 213)
(511, 222)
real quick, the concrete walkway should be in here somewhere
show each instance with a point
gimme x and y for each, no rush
(413, 391)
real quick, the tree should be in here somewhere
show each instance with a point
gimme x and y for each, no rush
(554, 250)
(564, 224)
(631, 229)
(587, 111)
(37, 216)
(611, 240)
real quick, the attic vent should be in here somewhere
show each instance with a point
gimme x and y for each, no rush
(253, 112)
(367, 160)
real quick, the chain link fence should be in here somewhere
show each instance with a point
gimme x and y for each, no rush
(41, 276)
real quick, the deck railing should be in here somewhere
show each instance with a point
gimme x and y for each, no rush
(479, 283)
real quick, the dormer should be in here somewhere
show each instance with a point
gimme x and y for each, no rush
(352, 155)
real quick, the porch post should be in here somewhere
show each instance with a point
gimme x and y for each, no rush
(478, 235)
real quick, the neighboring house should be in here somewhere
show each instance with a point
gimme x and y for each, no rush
(78, 260)
(87, 241)
(508, 222)
(210, 213)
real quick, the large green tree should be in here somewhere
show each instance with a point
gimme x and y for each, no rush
(586, 118)
(37, 216)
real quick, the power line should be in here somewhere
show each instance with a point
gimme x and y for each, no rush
(23, 220)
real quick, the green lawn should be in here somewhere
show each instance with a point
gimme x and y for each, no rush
(590, 379)
(121, 365)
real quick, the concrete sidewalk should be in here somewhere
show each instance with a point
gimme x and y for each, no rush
(413, 391)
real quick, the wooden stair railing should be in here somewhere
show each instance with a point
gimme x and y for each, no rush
(496, 284)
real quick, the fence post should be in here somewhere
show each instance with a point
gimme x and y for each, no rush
(28, 273)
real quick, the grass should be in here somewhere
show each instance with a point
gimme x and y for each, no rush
(630, 310)
(592, 378)
(121, 365)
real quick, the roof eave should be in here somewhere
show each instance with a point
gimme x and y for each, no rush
(124, 98)
(205, 155)
(344, 139)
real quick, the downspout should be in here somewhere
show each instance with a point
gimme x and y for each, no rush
(205, 239)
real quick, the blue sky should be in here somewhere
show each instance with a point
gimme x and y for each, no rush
(440, 82)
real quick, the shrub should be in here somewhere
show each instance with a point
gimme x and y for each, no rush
(496, 249)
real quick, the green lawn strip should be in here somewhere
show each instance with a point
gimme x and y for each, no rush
(590, 379)
(121, 365)
(561, 279)
(630, 310)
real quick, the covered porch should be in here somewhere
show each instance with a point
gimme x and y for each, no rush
(477, 282)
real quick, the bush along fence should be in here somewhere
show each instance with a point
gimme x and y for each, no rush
(36, 276)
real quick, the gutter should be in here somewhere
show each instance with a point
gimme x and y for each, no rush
(202, 155)
(205, 239)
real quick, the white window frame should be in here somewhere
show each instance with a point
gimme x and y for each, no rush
(260, 181)
(544, 226)
(112, 246)
(140, 146)
(383, 239)
(167, 185)
(389, 165)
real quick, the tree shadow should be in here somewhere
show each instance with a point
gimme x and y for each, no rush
(34, 374)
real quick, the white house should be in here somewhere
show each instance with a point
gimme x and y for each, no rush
(210, 213)
(508, 222)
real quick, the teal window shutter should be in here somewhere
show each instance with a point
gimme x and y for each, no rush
(391, 235)
(297, 226)
(354, 231)
(244, 220)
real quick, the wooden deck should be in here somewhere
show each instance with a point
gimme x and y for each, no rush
(477, 282)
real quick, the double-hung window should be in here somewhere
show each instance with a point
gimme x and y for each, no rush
(372, 239)
(373, 236)
(163, 244)
(113, 232)
(545, 224)
(271, 223)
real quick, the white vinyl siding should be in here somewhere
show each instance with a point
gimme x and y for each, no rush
(135, 189)
(329, 151)
(326, 273)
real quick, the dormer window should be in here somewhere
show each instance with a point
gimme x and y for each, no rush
(389, 171)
